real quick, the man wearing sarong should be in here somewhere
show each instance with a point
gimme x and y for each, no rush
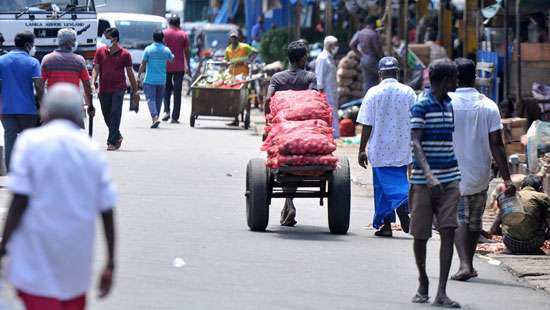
(294, 78)
(384, 114)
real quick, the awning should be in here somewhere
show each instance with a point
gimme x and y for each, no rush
(229, 9)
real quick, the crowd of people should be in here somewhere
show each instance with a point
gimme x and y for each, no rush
(454, 131)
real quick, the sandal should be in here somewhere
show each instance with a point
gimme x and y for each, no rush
(450, 304)
(420, 299)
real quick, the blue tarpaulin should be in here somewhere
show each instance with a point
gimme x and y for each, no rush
(254, 8)
(229, 9)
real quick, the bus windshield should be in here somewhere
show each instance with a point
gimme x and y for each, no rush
(137, 34)
(37, 6)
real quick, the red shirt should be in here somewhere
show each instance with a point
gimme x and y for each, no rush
(64, 66)
(112, 69)
(177, 41)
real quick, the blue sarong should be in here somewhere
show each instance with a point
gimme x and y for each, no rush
(391, 191)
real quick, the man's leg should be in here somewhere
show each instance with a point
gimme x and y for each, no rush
(288, 214)
(421, 207)
(105, 100)
(115, 138)
(419, 248)
(10, 134)
(159, 95)
(178, 85)
(446, 212)
(168, 95)
(150, 96)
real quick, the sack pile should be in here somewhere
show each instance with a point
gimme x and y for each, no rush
(350, 78)
(298, 131)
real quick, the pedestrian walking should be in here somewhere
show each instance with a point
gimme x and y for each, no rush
(435, 178)
(22, 90)
(60, 183)
(63, 65)
(476, 137)
(112, 63)
(155, 58)
(294, 78)
(325, 69)
(177, 40)
(366, 44)
(384, 114)
(257, 31)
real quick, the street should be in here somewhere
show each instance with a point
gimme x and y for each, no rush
(183, 242)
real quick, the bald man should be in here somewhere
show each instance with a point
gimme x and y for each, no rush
(60, 182)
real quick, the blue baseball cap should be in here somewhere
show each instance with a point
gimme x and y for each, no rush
(388, 63)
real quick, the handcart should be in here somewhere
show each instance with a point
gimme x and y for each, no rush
(219, 102)
(263, 184)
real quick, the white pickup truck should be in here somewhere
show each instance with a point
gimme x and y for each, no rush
(45, 18)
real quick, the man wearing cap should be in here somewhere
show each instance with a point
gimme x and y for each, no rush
(238, 55)
(384, 114)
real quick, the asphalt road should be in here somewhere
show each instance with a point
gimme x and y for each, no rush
(183, 242)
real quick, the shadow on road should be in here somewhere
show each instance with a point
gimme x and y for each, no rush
(307, 232)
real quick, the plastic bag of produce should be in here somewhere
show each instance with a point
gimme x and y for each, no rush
(344, 91)
(344, 82)
(346, 73)
(357, 85)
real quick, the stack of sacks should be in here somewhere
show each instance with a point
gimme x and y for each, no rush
(349, 77)
(298, 133)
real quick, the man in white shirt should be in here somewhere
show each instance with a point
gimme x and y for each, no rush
(60, 182)
(476, 137)
(325, 69)
(384, 114)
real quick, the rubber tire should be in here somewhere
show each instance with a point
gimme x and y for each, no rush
(247, 120)
(192, 120)
(257, 208)
(339, 200)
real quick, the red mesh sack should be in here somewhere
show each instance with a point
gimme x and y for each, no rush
(299, 106)
(278, 161)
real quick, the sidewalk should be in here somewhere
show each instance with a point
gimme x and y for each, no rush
(534, 271)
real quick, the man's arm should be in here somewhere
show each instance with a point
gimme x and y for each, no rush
(354, 45)
(38, 88)
(365, 135)
(106, 279)
(416, 136)
(132, 79)
(95, 75)
(17, 209)
(142, 68)
(499, 154)
(88, 93)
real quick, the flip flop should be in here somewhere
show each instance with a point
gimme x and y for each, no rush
(449, 304)
(420, 299)
(462, 277)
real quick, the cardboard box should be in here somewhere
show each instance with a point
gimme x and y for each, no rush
(535, 51)
(513, 129)
(514, 148)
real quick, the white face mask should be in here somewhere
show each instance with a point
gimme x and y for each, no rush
(32, 52)
(75, 47)
(107, 42)
(334, 50)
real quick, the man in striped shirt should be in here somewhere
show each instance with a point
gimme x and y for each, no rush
(435, 178)
(63, 65)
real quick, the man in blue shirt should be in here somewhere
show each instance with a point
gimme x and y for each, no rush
(154, 63)
(257, 31)
(19, 72)
(435, 178)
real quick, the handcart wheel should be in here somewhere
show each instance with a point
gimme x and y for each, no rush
(257, 208)
(339, 199)
(192, 120)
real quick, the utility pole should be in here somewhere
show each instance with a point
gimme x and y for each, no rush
(328, 17)
(519, 106)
